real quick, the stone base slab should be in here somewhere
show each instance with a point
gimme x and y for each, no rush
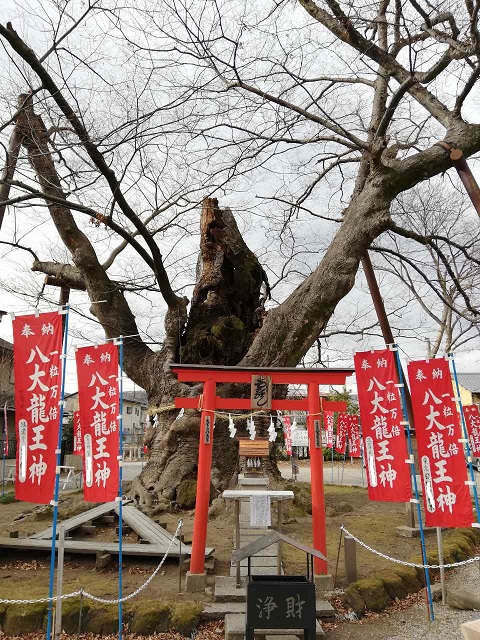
(195, 582)
(324, 582)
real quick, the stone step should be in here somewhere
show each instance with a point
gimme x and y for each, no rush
(255, 571)
(269, 552)
(226, 591)
(235, 629)
(218, 610)
(258, 532)
(258, 561)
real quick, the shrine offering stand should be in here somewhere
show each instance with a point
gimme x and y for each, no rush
(246, 495)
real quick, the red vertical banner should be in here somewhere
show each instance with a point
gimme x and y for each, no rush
(354, 446)
(385, 447)
(472, 420)
(328, 419)
(97, 372)
(77, 434)
(37, 346)
(446, 495)
(342, 433)
(287, 434)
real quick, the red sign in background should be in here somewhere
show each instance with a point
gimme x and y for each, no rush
(37, 343)
(472, 421)
(441, 458)
(328, 419)
(385, 447)
(77, 434)
(97, 371)
(342, 433)
(354, 442)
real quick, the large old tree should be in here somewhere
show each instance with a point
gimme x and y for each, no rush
(129, 116)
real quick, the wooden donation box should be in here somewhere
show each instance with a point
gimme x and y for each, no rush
(280, 602)
(253, 451)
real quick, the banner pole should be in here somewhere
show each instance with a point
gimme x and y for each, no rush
(360, 430)
(414, 478)
(120, 492)
(332, 460)
(5, 446)
(468, 450)
(57, 476)
(440, 561)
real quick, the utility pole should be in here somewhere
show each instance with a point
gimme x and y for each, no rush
(389, 339)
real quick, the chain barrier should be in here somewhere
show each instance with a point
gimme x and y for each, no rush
(452, 565)
(86, 594)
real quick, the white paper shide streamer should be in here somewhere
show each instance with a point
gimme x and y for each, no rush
(251, 428)
(231, 426)
(272, 434)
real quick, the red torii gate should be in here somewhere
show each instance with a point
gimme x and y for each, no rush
(209, 402)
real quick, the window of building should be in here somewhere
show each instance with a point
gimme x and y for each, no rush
(137, 412)
(129, 410)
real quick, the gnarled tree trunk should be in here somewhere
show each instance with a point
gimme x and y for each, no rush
(225, 312)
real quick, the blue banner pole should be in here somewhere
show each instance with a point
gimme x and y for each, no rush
(406, 423)
(120, 490)
(465, 437)
(58, 452)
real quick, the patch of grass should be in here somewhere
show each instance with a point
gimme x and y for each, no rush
(7, 498)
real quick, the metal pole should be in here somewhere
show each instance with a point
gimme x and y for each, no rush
(440, 562)
(57, 477)
(415, 485)
(238, 581)
(464, 173)
(120, 490)
(465, 438)
(58, 605)
(180, 557)
(279, 543)
(388, 338)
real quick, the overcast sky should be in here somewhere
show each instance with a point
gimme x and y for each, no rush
(16, 267)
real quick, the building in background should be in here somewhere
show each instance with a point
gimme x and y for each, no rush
(469, 387)
(135, 418)
(7, 395)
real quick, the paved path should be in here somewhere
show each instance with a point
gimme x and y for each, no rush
(343, 473)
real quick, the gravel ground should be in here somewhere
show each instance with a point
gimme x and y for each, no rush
(412, 623)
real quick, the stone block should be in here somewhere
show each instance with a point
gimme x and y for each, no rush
(195, 582)
(102, 560)
(462, 599)
(471, 630)
(324, 582)
(227, 591)
(324, 610)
